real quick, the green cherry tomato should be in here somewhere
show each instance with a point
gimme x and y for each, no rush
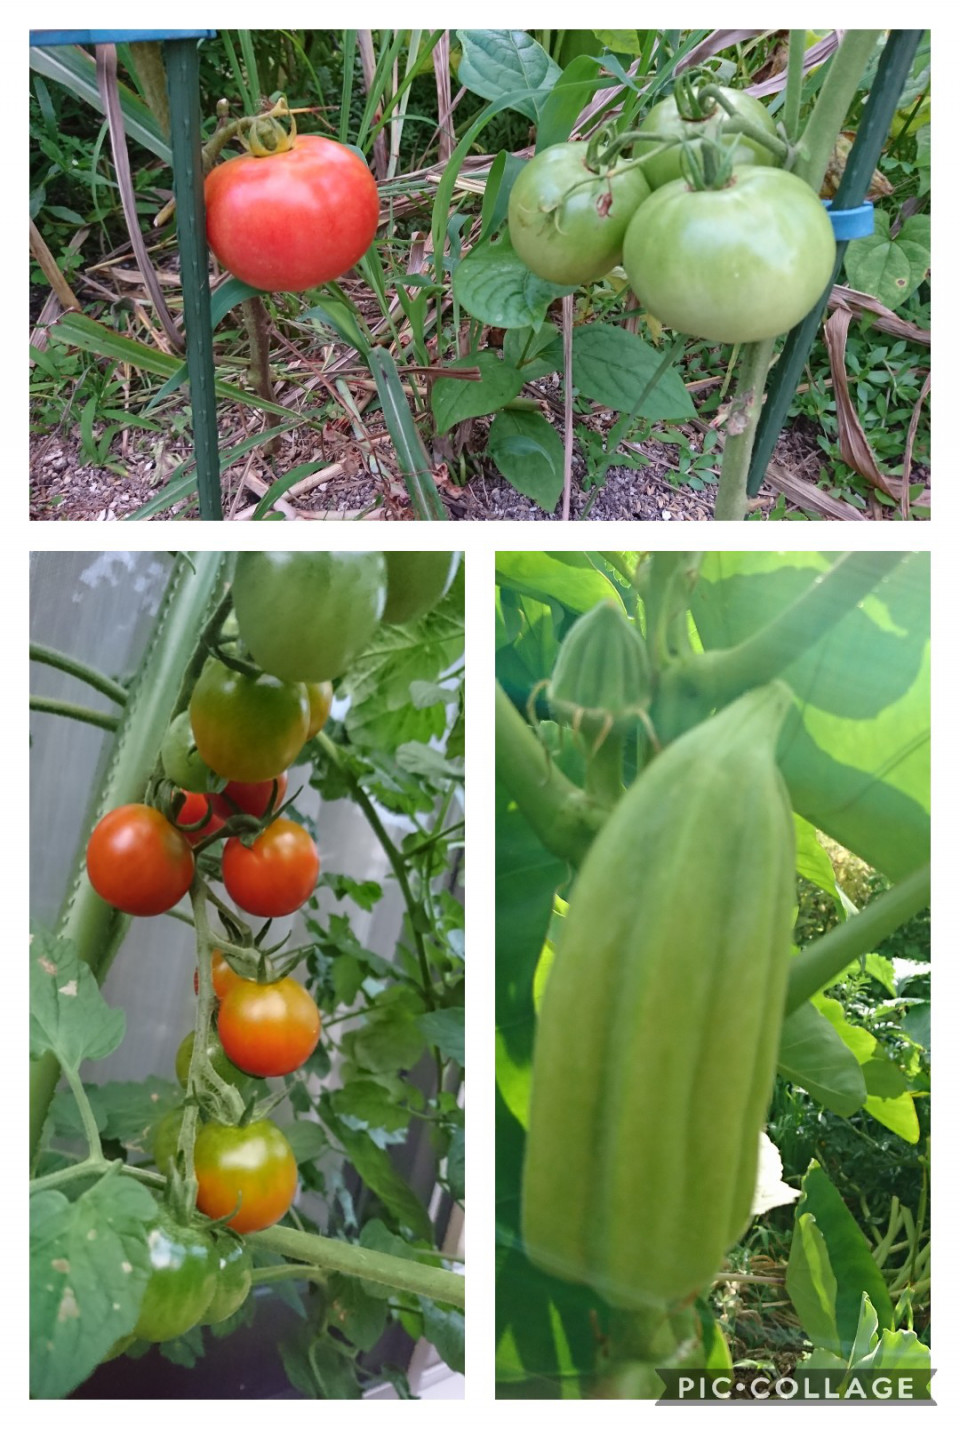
(416, 581)
(306, 615)
(247, 1170)
(138, 862)
(219, 1060)
(664, 120)
(181, 759)
(165, 1138)
(233, 1281)
(566, 221)
(736, 264)
(248, 728)
(182, 1282)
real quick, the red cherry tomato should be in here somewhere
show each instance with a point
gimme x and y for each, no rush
(276, 875)
(292, 220)
(268, 1029)
(197, 807)
(252, 799)
(138, 862)
(250, 1170)
(223, 975)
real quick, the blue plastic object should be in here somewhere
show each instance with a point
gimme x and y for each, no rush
(850, 222)
(46, 38)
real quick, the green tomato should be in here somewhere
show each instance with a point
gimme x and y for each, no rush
(218, 1058)
(181, 759)
(416, 581)
(306, 615)
(183, 1279)
(736, 264)
(567, 221)
(247, 728)
(165, 1136)
(233, 1281)
(664, 120)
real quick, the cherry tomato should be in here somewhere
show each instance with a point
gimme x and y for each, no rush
(256, 798)
(248, 1170)
(292, 220)
(233, 1281)
(736, 264)
(416, 581)
(197, 807)
(138, 862)
(181, 760)
(221, 1063)
(320, 695)
(248, 729)
(165, 1138)
(306, 615)
(664, 119)
(222, 974)
(566, 220)
(276, 874)
(182, 1282)
(268, 1029)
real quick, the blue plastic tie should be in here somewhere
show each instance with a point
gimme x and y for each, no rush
(850, 222)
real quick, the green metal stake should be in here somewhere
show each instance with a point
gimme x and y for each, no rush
(892, 71)
(182, 63)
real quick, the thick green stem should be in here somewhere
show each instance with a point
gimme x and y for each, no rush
(833, 101)
(820, 962)
(43, 655)
(371, 1265)
(562, 816)
(731, 503)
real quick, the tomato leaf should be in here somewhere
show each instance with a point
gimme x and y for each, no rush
(445, 1031)
(68, 1015)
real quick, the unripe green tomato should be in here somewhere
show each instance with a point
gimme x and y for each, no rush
(416, 581)
(182, 762)
(183, 1280)
(165, 1136)
(664, 120)
(248, 729)
(219, 1060)
(567, 221)
(233, 1281)
(306, 615)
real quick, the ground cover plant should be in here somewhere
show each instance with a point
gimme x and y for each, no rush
(302, 1151)
(501, 334)
(712, 986)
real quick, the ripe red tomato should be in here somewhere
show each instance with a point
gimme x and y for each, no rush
(292, 220)
(138, 862)
(276, 874)
(250, 1170)
(222, 973)
(197, 807)
(268, 1029)
(251, 798)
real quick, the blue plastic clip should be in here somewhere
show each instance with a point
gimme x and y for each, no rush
(850, 222)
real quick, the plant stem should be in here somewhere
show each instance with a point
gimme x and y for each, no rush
(731, 503)
(564, 818)
(45, 656)
(822, 961)
(371, 1265)
(71, 711)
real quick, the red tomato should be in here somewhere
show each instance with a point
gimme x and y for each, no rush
(195, 808)
(223, 975)
(293, 220)
(246, 1169)
(268, 1029)
(251, 798)
(276, 874)
(138, 862)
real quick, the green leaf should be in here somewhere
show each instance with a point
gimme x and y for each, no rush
(370, 1101)
(498, 62)
(68, 1015)
(89, 1264)
(813, 1056)
(444, 1329)
(615, 368)
(528, 453)
(374, 1166)
(445, 1031)
(456, 401)
(359, 1316)
(456, 1164)
(497, 288)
